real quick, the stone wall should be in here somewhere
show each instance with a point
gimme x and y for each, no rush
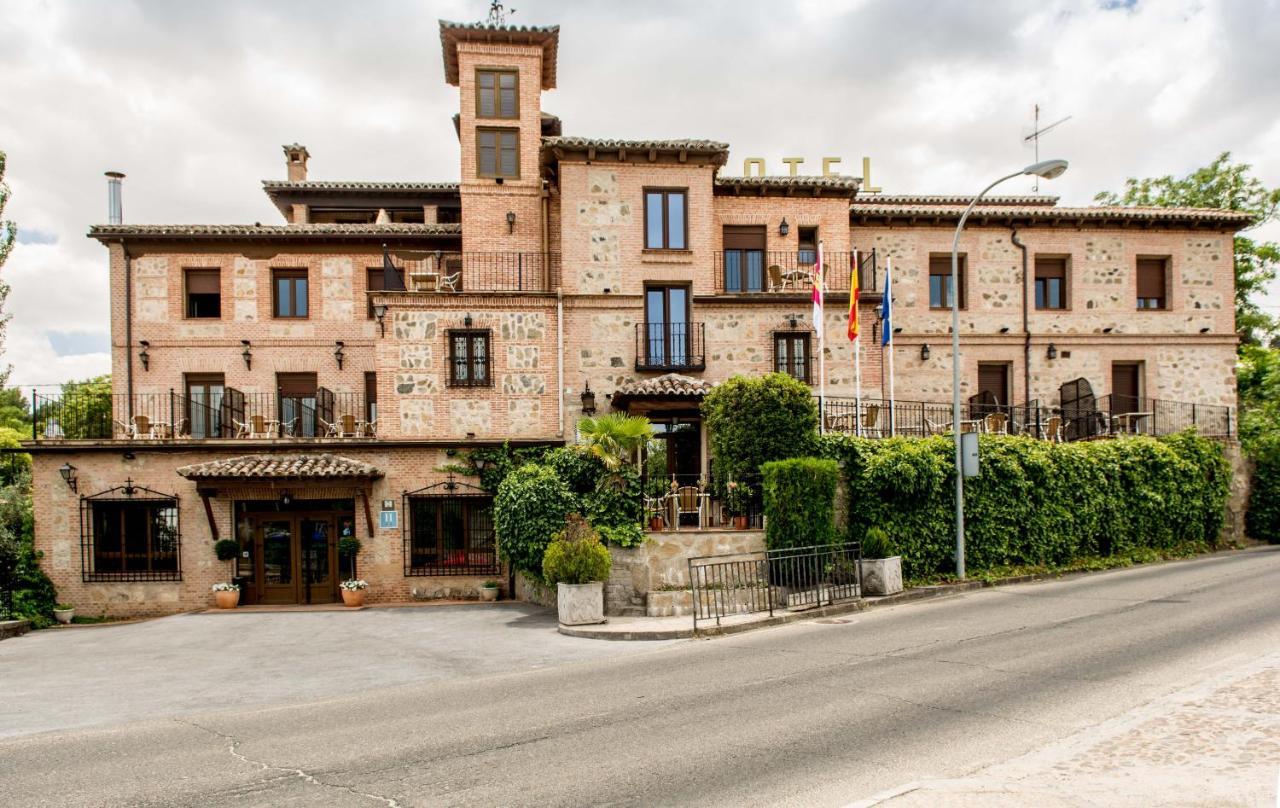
(662, 562)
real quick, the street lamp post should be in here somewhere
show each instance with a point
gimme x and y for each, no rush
(1047, 169)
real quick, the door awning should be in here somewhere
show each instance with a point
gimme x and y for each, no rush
(669, 387)
(320, 467)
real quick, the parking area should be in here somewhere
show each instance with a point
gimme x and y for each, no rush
(98, 675)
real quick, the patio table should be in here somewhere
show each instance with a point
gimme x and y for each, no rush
(1128, 422)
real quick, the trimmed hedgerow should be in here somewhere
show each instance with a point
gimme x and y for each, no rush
(753, 420)
(799, 501)
(530, 507)
(1263, 518)
(1035, 502)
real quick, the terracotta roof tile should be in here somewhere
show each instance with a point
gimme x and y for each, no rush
(1100, 213)
(545, 36)
(274, 187)
(714, 148)
(839, 185)
(669, 384)
(952, 199)
(282, 466)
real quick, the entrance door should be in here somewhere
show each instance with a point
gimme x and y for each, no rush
(297, 403)
(1126, 378)
(297, 558)
(204, 405)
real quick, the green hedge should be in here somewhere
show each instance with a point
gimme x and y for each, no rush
(753, 420)
(1263, 517)
(799, 501)
(1035, 502)
(530, 507)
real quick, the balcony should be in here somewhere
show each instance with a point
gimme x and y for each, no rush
(760, 272)
(102, 415)
(670, 346)
(455, 272)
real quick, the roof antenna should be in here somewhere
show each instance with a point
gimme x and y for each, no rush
(1034, 139)
(498, 13)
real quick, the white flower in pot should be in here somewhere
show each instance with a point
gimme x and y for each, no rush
(227, 595)
(353, 592)
(578, 564)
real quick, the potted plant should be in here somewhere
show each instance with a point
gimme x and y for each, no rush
(64, 613)
(353, 590)
(227, 595)
(348, 549)
(881, 566)
(737, 501)
(577, 563)
(489, 591)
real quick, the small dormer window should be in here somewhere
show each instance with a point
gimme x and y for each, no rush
(497, 94)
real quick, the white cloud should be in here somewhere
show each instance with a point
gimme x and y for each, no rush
(192, 101)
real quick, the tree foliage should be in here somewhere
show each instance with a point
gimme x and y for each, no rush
(530, 507)
(614, 438)
(799, 502)
(753, 420)
(8, 232)
(1228, 186)
(575, 555)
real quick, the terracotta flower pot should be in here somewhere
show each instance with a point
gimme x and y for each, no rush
(740, 522)
(655, 523)
(353, 597)
(227, 600)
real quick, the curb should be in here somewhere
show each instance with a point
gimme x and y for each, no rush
(13, 628)
(863, 604)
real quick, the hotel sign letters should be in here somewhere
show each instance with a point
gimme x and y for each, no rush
(755, 167)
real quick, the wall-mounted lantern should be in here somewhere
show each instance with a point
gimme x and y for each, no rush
(1052, 352)
(68, 473)
(286, 499)
(511, 221)
(588, 400)
(466, 321)
(380, 311)
(143, 355)
(479, 461)
(337, 352)
(794, 321)
(247, 355)
(784, 229)
(924, 352)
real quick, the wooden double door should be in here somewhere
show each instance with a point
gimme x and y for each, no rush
(296, 556)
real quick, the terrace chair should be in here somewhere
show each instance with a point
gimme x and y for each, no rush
(347, 426)
(142, 426)
(449, 282)
(871, 421)
(689, 499)
(996, 423)
(777, 281)
(1053, 429)
(255, 427)
(370, 429)
(124, 429)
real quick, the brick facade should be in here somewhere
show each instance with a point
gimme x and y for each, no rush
(574, 221)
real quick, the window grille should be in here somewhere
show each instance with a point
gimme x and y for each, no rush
(130, 533)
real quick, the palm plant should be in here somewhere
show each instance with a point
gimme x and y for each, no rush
(614, 438)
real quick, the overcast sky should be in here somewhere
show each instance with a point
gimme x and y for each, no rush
(192, 100)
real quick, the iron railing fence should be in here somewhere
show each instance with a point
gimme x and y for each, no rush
(739, 272)
(794, 578)
(444, 271)
(95, 414)
(8, 583)
(670, 346)
(1107, 416)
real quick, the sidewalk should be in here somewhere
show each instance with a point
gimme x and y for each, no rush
(1216, 743)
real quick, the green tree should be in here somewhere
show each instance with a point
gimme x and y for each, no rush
(15, 411)
(752, 420)
(1228, 186)
(614, 438)
(8, 231)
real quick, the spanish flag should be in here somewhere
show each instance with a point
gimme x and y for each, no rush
(853, 298)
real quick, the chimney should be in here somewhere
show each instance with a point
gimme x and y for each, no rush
(115, 208)
(296, 161)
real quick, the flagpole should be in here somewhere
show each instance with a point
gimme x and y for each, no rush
(857, 355)
(888, 290)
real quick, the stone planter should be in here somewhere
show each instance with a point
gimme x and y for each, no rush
(64, 616)
(488, 594)
(227, 600)
(353, 597)
(881, 576)
(580, 604)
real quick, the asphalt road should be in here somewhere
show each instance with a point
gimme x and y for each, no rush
(821, 713)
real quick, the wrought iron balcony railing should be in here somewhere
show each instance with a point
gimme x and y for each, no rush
(444, 272)
(670, 346)
(749, 272)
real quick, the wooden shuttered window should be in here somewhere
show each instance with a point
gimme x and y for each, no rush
(1051, 283)
(497, 94)
(940, 281)
(204, 293)
(744, 238)
(498, 153)
(994, 379)
(1152, 283)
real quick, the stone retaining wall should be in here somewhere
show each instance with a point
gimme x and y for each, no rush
(662, 562)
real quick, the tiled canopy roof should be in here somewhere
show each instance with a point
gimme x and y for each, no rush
(789, 186)
(638, 148)
(1114, 214)
(103, 232)
(545, 36)
(274, 187)
(282, 466)
(669, 384)
(952, 199)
